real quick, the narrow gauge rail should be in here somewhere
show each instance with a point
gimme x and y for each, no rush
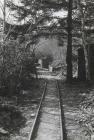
(48, 122)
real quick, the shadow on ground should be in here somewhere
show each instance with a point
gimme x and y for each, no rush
(16, 121)
(11, 121)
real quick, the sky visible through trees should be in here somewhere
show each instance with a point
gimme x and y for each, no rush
(12, 20)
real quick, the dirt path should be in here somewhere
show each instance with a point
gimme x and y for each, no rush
(50, 124)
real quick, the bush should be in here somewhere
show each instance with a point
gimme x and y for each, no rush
(16, 63)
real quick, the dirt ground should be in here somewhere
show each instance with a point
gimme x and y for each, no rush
(78, 104)
(16, 119)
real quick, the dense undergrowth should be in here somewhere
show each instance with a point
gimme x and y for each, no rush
(14, 114)
(78, 101)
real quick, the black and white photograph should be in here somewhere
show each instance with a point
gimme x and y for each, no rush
(46, 69)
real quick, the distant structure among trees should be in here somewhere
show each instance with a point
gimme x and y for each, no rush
(74, 29)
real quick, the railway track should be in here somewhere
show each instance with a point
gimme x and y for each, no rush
(49, 123)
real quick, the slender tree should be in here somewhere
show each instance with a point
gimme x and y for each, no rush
(69, 41)
(4, 16)
(3, 9)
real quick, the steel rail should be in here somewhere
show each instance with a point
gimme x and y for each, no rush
(32, 133)
(62, 117)
(63, 127)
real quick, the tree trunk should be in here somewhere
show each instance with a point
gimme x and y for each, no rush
(84, 39)
(84, 47)
(4, 17)
(81, 65)
(69, 46)
(91, 61)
